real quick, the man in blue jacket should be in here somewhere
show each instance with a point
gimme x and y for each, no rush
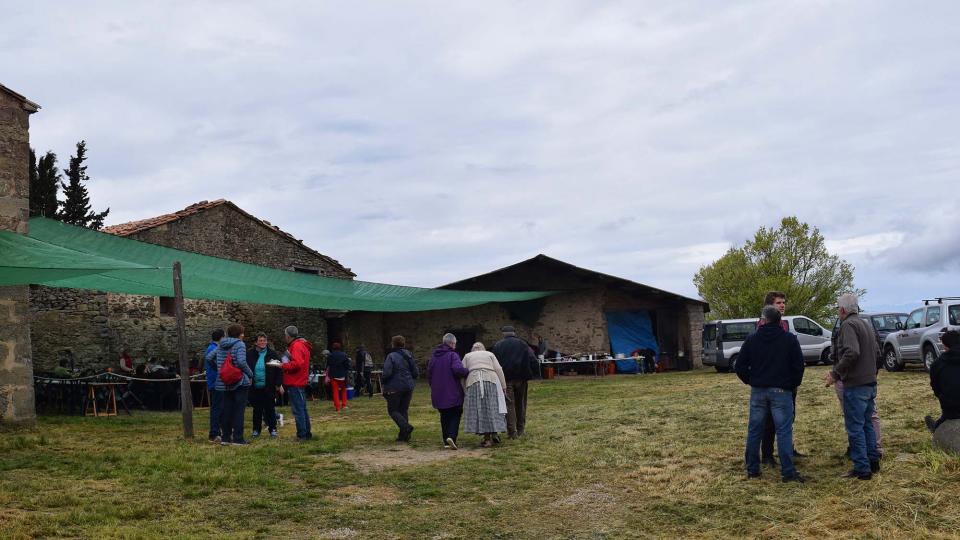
(771, 362)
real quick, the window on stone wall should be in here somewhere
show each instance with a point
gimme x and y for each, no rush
(306, 270)
(167, 306)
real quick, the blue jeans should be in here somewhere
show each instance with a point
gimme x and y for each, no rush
(859, 402)
(764, 403)
(216, 407)
(298, 406)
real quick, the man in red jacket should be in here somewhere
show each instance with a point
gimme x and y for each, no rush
(296, 369)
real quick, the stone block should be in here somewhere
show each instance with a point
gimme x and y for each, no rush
(947, 436)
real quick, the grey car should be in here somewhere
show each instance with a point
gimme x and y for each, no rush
(722, 340)
(917, 341)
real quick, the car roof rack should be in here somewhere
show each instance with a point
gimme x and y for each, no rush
(939, 299)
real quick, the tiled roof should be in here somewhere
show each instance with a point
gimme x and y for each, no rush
(27, 104)
(134, 227)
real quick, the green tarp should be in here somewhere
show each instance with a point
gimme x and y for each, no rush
(61, 255)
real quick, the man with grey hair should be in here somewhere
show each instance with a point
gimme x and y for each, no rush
(519, 366)
(856, 367)
(771, 362)
(296, 370)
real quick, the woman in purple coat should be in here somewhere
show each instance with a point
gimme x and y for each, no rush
(445, 374)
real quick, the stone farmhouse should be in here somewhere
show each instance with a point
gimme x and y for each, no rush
(572, 321)
(89, 329)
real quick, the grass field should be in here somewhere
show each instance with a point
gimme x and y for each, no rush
(615, 457)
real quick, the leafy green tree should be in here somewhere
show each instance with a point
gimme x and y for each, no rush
(76, 205)
(44, 185)
(792, 259)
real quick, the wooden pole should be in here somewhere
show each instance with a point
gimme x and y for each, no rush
(186, 396)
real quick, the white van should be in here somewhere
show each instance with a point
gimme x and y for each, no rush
(722, 340)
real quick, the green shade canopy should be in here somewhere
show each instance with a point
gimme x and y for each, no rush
(60, 255)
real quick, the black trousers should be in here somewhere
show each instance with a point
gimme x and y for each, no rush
(398, 407)
(770, 432)
(368, 380)
(450, 423)
(231, 419)
(264, 408)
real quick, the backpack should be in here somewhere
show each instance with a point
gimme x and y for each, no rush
(229, 373)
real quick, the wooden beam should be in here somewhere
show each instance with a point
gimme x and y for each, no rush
(186, 396)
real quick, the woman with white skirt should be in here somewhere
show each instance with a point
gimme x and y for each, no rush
(484, 406)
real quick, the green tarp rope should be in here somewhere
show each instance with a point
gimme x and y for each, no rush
(61, 255)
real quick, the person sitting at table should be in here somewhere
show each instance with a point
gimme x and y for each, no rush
(126, 362)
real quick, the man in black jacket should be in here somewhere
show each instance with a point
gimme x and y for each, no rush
(519, 366)
(267, 379)
(771, 362)
(945, 380)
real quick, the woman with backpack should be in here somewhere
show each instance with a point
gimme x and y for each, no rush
(234, 376)
(399, 375)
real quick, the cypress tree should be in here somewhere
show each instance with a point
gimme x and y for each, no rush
(44, 185)
(76, 205)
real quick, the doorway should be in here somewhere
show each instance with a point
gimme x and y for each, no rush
(465, 340)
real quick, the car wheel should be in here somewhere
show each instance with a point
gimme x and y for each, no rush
(929, 357)
(890, 360)
(825, 357)
(733, 363)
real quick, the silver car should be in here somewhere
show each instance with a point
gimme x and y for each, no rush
(918, 340)
(722, 340)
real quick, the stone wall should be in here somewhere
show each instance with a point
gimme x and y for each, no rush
(222, 231)
(16, 368)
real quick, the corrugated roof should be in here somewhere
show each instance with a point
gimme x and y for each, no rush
(134, 227)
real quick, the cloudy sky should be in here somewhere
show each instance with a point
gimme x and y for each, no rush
(420, 143)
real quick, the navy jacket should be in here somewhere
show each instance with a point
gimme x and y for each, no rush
(339, 365)
(516, 358)
(945, 381)
(400, 372)
(771, 358)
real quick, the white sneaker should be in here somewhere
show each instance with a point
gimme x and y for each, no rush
(452, 445)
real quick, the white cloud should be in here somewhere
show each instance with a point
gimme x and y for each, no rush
(422, 143)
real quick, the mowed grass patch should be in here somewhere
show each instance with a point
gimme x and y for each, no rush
(611, 457)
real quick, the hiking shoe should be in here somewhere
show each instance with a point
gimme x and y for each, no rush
(451, 443)
(874, 465)
(930, 422)
(795, 478)
(274, 434)
(255, 434)
(858, 475)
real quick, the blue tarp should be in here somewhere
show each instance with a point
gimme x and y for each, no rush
(627, 366)
(629, 331)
